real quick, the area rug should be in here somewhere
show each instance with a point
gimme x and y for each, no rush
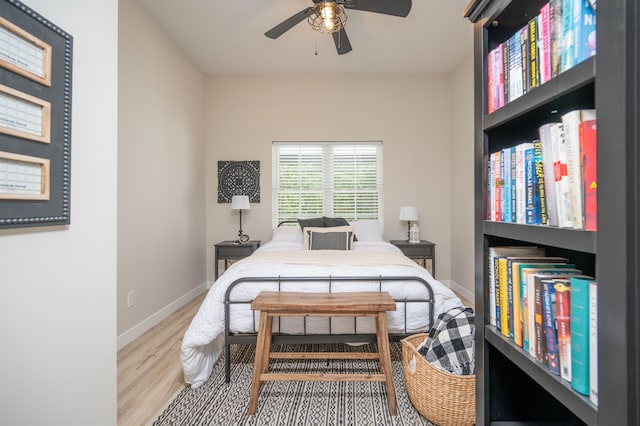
(293, 402)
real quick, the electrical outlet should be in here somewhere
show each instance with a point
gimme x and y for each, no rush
(131, 298)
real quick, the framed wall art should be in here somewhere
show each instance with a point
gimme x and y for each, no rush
(238, 178)
(35, 119)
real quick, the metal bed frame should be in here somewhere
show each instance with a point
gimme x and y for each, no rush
(278, 337)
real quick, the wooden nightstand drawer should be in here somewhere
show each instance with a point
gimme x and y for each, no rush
(235, 252)
(229, 250)
(418, 250)
(422, 251)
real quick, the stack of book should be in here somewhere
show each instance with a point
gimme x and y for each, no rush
(562, 35)
(550, 180)
(547, 307)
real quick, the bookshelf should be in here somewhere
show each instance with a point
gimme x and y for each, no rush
(512, 387)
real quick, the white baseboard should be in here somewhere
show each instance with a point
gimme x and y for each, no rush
(469, 295)
(138, 330)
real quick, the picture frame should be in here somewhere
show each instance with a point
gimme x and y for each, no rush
(35, 137)
(24, 115)
(24, 54)
(23, 177)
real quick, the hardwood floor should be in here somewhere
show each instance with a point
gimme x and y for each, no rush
(149, 369)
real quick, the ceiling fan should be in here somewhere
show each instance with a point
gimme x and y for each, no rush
(328, 16)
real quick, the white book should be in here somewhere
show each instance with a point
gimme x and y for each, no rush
(563, 196)
(571, 124)
(521, 187)
(593, 342)
(547, 167)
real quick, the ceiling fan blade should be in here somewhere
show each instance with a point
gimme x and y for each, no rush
(386, 7)
(342, 42)
(289, 23)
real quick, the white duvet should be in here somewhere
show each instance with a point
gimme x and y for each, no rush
(203, 341)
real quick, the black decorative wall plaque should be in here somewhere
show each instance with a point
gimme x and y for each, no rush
(35, 119)
(238, 178)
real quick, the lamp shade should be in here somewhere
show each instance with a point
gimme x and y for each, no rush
(408, 213)
(240, 202)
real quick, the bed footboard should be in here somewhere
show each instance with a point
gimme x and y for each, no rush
(326, 284)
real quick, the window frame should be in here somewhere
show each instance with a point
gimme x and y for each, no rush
(327, 162)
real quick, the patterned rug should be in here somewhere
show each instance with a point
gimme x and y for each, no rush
(294, 403)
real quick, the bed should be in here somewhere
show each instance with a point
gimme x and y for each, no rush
(282, 264)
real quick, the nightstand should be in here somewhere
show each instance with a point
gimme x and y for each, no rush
(424, 250)
(229, 250)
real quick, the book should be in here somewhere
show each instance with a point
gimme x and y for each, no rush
(537, 342)
(549, 181)
(515, 67)
(571, 126)
(527, 284)
(505, 71)
(561, 176)
(530, 186)
(563, 325)
(513, 282)
(549, 323)
(567, 53)
(524, 56)
(532, 76)
(503, 251)
(497, 186)
(579, 318)
(584, 22)
(540, 196)
(544, 34)
(593, 342)
(589, 173)
(520, 297)
(499, 82)
(521, 192)
(555, 26)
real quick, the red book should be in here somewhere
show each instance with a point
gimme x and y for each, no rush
(588, 140)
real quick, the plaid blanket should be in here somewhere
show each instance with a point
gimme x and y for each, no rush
(450, 344)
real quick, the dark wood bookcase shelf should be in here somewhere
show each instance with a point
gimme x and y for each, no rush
(511, 386)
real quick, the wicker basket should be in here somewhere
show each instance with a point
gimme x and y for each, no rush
(444, 399)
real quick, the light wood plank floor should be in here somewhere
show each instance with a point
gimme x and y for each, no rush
(149, 369)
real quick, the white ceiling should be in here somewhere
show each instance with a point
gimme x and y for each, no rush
(227, 37)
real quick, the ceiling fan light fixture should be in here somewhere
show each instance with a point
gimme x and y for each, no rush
(328, 17)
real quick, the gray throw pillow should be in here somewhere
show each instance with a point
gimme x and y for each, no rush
(329, 240)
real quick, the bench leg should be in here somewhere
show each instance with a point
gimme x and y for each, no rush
(385, 359)
(264, 336)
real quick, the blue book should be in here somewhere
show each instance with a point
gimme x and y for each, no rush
(584, 22)
(506, 155)
(579, 326)
(566, 53)
(530, 186)
(549, 310)
(515, 67)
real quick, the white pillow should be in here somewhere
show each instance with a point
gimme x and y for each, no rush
(305, 243)
(367, 230)
(287, 233)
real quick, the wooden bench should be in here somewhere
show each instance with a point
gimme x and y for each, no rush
(357, 304)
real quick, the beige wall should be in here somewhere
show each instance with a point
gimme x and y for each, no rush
(161, 208)
(58, 284)
(411, 114)
(461, 172)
